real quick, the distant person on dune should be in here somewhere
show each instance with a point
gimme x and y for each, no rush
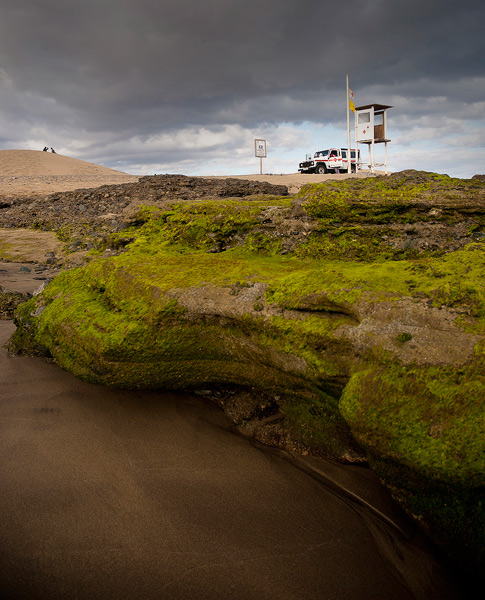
(45, 149)
(53, 151)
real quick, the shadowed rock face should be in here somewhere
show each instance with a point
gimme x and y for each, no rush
(309, 319)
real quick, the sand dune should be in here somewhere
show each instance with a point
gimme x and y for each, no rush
(37, 172)
(34, 162)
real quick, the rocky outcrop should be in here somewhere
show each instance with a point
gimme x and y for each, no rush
(347, 321)
(412, 214)
(9, 301)
(85, 218)
(109, 203)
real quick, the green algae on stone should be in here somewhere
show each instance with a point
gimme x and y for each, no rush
(366, 219)
(399, 189)
(155, 316)
(427, 417)
(424, 431)
(203, 224)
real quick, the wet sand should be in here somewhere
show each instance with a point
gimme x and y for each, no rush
(22, 277)
(110, 494)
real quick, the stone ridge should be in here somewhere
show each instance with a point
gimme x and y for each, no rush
(111, 204)
(87, 204)
(442, 216)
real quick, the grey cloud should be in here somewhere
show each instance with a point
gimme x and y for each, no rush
(124, 56)
(131, 67)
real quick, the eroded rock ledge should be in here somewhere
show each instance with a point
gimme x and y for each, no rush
(348, 321)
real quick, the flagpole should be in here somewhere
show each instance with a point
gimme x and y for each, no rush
(349, 152)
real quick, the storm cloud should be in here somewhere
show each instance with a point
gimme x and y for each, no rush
(152, 83)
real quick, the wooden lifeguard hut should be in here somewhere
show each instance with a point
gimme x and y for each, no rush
(370, 129)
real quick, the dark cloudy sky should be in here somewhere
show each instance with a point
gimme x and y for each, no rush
(184, 86)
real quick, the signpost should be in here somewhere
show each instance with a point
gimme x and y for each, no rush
(260, 151)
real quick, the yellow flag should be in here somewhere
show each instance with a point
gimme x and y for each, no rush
(351, 100)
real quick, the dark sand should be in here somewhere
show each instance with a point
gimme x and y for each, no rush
(109, 494)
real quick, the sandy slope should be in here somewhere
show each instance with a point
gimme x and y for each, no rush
(37, 172)
(33, 162)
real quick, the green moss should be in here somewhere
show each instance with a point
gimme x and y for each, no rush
(430, 418)
(399, 189)
(453, 515)
(424, 430)
(318, 425)
(351, 243)
(404, 337)
(352, 214)
(460, 281)
(262, 244)
(204, 224)
(134, 283)
(5, 251)
(77, 236)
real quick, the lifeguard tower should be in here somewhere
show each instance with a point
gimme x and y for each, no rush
(370, 129)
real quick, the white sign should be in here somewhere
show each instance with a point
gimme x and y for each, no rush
(260, 148)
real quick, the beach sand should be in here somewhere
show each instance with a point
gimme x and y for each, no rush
(294, 181)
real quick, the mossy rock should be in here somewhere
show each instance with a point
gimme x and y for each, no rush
(368, 353)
